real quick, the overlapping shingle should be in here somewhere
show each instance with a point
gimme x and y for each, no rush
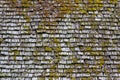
(55, 39)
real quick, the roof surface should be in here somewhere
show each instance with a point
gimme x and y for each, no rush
(60, 39)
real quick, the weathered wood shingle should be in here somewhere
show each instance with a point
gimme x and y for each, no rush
(59, 39)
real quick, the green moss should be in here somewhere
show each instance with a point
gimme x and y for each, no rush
(26, 5)
(16, 53)
(53, 76)
(57, 49)
(95, 53)
(72, 49)
(41, 78)
(35, 55)
(88, 48)
(2, 74)
(1, 40)
(77, 1)
(83, 11)
(48, 49)
(102, 61)
(94, 5)
(24, 1)
(95, 1)
(23, 13)
(104, 44)
(40, 27)
(28, 31)
(81, 28)
(86, 78)
(55, 40)
(73, 78)
(27, 18)
(113, 1)
(75, 60)
(69, 70)
(14, 1)
(26, 27)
